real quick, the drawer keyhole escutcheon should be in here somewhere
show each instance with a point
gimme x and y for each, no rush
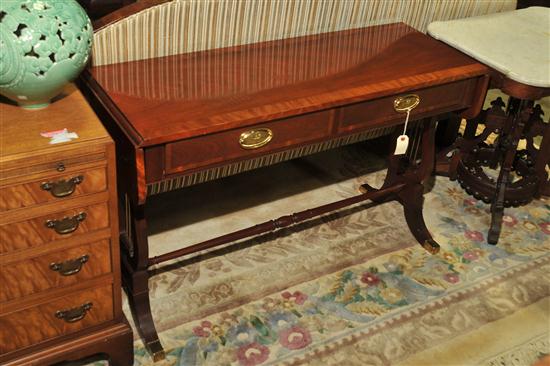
(255, 139)
(67, 224)
(62, 188)
(70, 267)
(406, 103)
(74, 314)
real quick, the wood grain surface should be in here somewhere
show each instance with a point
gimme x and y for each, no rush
(179, 114)
(222, 147)
(176, 97)
(33, 255)
(34, 275)
(21, 128)
(438, 99)
(34, 232)
(31, 193)
(38, 323)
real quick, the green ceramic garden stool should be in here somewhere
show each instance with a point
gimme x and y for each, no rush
(44, 44)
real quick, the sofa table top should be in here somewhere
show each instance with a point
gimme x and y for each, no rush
(515, 43)
(176, 97)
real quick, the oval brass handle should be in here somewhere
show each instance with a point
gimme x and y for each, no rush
(74, 314)
(67, 224)
(62, 188)
(254, 139)
(406, 103)
(70, 267)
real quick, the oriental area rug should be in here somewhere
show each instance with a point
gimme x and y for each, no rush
(350, 288)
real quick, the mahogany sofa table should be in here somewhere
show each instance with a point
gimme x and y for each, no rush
(520, 67)
(184, 119)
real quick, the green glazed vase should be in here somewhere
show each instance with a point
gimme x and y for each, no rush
(44, 44)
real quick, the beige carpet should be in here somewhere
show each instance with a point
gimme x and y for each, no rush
(352, 288)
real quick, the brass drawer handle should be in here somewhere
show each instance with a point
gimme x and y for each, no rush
(69, 267)
(406, 103)
(62, 188)
(74, 314)
(67, 224)
(255, 139)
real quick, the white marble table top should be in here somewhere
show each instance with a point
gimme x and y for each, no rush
(515, 43)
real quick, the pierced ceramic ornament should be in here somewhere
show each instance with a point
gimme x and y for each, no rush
(44, 44)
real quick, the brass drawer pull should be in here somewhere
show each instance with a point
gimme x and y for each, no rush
(70, 267)
(255, 139)
(67, 224)
(62, 188)
(74, 314)
(406, 103)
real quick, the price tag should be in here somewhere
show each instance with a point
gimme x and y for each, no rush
(401, 145)
(403, 140)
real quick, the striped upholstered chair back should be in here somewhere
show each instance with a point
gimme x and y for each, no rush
(156, 28)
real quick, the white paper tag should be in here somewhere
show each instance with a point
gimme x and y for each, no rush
(401, 145)
(59, 136)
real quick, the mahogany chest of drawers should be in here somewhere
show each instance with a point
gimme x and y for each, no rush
(60, 296)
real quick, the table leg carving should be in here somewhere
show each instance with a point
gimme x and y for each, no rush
(506, 147)
(402, 170)
(403, 182)
(520, 119)
(497, 209)
(492, 118)
(412, 196)
(412, 199)
(136, 280)
(396, 166)
(139, 302)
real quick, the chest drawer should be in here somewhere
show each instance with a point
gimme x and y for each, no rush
(61, 316)
(54, 158)
(434, 100)
(53, 187)
(246, 142)
(55, 226)
(58, 269)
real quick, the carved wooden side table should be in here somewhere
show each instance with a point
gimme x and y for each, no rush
(516, 46)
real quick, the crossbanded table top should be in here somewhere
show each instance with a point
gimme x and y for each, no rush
(187, 95)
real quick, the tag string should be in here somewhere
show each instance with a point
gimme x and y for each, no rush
(406, 123)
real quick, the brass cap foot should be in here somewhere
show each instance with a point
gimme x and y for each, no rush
(431, 246)
(156, 350)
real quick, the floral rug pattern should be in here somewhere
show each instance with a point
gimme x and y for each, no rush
(313, 319)
(352, 288)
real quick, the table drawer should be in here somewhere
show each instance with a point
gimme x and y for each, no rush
(58, 317)
(58, 269)
(262, 139)
(434, 100)
(53, 188)
(44, 229)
